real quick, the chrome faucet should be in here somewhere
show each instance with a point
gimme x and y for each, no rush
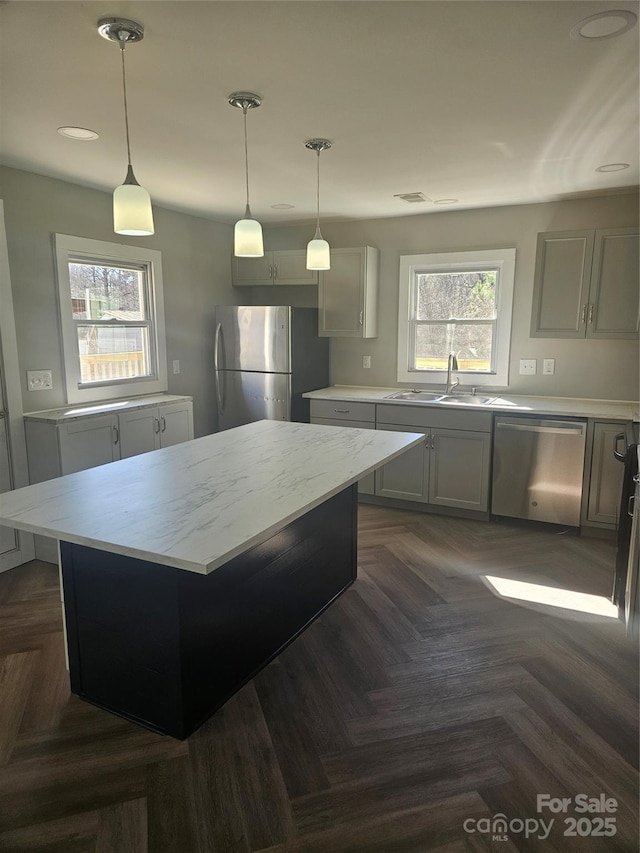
(451, 365)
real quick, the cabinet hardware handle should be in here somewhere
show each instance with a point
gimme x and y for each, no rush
(583, 314)
(275, 273)
(157, 420)
(117, 434)
(164, 423)
(342, 411)
(361, 317)
(620, 455)
(591, 313)
(433, 442)
(631, 505)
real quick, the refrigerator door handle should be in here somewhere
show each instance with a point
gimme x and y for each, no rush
(216, 350)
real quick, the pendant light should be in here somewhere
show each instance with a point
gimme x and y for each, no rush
(132, 212)
(318, 255)
(247, 234)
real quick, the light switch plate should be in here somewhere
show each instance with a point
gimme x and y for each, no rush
(39, 380)
(548, 366)
(527, 366)
(176, 366)
(366, 361)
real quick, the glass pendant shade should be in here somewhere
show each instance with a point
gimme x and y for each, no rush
(132, 213)
(247, 238)
(318, 254)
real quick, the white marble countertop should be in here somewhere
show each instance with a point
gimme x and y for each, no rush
(72, 413)
(196, 505)
(564, 406)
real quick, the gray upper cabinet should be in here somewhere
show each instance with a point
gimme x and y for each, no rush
(614, 285)
(348, 294)
(586, 284)
(285, 267)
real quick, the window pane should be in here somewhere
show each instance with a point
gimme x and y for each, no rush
(456, 295)
(106, 293)
(471, 343)
(108, 353)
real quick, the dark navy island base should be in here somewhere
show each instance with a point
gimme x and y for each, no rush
(165, 648)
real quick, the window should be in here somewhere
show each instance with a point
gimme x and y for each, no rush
(455, 302)
(111, 317)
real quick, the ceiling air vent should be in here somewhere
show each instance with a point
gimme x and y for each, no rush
(412, 198)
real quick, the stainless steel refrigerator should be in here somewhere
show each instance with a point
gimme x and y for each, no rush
(266, 357)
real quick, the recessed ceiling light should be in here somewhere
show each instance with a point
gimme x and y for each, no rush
(446, 201)
(604, 25)
(613, 167)
(81, 133)
(282, 206)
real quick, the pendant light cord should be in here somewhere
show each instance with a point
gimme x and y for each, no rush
(318, 235)
(122, 39)
(247, 213)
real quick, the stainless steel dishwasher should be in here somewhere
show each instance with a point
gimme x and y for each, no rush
(537, 469)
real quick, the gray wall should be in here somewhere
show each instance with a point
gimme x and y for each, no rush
(584, 368)
(196, 265)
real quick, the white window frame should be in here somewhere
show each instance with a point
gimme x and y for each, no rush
(504, 260)
(69, 249)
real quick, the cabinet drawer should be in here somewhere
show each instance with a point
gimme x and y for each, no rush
(432, 416)
(343, 410)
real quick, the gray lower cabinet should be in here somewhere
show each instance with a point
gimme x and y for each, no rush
(59, 447)
(359, 415)
(54, 450)
(406, 477)
(449, 469)
(603, 480)
(143, 430)
(459, 469)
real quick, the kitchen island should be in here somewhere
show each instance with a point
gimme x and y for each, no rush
(186, 570)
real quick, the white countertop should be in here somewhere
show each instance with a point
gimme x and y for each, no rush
(72, 413)
(196, 505)
(564, 406)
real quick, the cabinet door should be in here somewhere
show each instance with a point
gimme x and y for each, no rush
(613, 308)
(406, 477)
(366, 486)
(347, 294)
(561, 284)
(459, 469)
(605, 481)
(139, 431)
(252, 271)
(88, 442)
(176, 423)
(290, 267)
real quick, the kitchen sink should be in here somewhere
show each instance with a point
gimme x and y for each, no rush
(416, 396)
(444, 399)
(465, 400)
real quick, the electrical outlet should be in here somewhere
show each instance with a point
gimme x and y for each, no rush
(366, 361)
(176, 366)
(548, 366)
(39, 380)
(527, 366)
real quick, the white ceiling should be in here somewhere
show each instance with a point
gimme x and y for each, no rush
(490, 103)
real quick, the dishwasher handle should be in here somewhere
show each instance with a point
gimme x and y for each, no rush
(559, 428)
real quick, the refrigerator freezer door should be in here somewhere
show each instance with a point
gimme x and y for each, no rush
(254, 338)
(249, 396)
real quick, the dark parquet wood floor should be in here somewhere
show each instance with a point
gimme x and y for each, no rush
(420, 700)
